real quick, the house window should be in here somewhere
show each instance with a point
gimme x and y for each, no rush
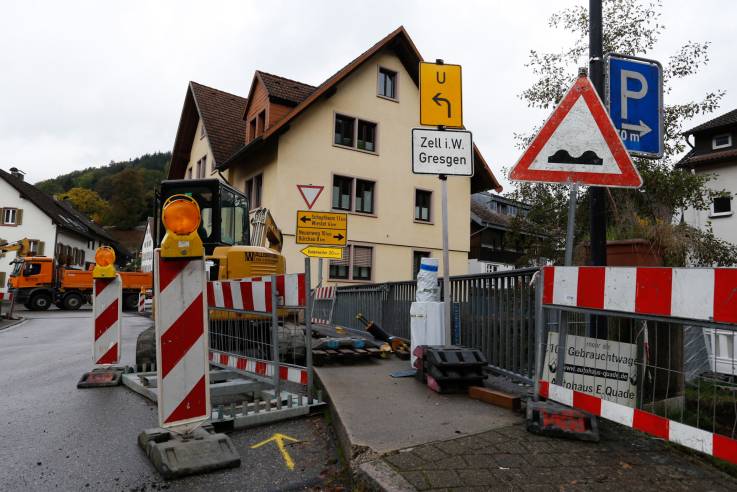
(722, 206)
(366, 135)
(252, 129)
(417, 257)
(253, 191)
(344, 130)
(11, 216)
(354, 195)
(387, 83)
(202, 129)
(201, 167)
(364, 196)
(342, 192)
(261, 124)
(355, 133)
(721, 141)
(423, 201)
(356, 264)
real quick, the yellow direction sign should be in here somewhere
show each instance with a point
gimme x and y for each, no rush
(322, 228)
(440, 95)
(323, 252)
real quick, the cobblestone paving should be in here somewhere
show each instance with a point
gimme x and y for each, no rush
(513, 459)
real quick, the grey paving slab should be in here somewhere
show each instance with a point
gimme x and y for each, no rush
(385, 414)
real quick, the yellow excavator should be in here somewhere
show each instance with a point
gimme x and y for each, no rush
(21, 246)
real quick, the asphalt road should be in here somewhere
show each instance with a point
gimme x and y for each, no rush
(55, 436)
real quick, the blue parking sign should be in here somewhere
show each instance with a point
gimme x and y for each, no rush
(634, 96)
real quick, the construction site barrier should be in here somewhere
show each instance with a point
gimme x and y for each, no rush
(261, 326)
(107, 295)
(323, 303)
(182, 363)
(635, 346)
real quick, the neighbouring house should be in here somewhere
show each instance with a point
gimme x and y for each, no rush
(714, 151)
(350, 135)
(53, 227)
(130, 240)
(491, 219)
(147, 247)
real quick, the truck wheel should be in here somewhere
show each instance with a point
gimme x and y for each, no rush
(130, 302)
(72, 301)
(40, 302)
(146, 349)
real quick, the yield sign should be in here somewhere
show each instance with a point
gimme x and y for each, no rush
(578, 144)
(310, 193)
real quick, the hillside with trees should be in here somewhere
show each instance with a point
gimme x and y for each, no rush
(119, 194)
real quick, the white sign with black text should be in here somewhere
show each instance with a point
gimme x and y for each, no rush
(601, 368)
(447, 152)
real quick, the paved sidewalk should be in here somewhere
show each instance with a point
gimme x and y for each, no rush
(510, 458)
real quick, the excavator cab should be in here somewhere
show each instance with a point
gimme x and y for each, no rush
(237, 244)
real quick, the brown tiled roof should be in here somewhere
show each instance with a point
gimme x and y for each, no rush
(723, 120)
(222, 114)
(694, 159)
(285, 90)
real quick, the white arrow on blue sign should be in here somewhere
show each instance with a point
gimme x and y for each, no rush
(634, 96)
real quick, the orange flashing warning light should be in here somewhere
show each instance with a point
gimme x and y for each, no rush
(104, 263)
(181, 218)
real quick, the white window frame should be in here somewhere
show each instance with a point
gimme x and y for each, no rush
(714, 145)
(713, 214)
(7, 214)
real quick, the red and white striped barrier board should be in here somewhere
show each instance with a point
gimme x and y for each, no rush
(716, 445)
(181, 341)
(254, 294)
(704, 294)
(324, 293)
(107, 305)
(264, 368)
(141, 302)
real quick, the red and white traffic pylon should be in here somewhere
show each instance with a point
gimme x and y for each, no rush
(141, 302)
(107, 311)
(182, 364)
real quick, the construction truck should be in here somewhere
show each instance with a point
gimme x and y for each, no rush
(37, 283)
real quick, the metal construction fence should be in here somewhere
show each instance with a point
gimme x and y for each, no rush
(649, 348)
(496, 314)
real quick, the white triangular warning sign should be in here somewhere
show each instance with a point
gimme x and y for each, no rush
(578, 144)
(310, 193)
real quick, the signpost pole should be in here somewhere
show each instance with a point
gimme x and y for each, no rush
(597, 211)
(446, 261)
(319, 271)
(563, 319)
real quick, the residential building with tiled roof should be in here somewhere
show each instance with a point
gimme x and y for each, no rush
(54, 227)
(350, 134)
(714, 152)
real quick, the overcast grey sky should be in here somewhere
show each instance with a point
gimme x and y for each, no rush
(87, 82)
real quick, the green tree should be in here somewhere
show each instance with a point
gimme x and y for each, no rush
(127, 198)
(88, 202)
(631, 27)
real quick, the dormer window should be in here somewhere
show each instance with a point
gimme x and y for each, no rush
(721, 141)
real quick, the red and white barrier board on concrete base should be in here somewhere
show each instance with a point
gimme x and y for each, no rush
(181, 341)
(107, 294)
(716, 445)
(293, 374)
(703, 294)
(254, 294)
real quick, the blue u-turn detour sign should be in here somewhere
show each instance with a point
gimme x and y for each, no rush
(634, 96)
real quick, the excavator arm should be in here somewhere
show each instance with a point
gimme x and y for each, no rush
(22, 246)
(264, 231)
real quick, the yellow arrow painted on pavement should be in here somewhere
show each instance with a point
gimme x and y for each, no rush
(279, 439)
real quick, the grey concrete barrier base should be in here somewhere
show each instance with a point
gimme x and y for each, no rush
(548, 418)
(102, 377)
(175, 455)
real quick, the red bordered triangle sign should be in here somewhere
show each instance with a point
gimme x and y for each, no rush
(310, 193)
(578, 144)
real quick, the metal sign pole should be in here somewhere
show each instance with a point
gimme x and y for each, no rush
(319, 272)
(275, 340)
(308, 324)
(446, 262)
(563, 319)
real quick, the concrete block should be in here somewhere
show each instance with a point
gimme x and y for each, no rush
(175, 455)
(551, 419)
(101, 377)
(495, 397)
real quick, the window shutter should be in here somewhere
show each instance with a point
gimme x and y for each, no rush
(361, 256)
(2, 216)
(40, 248)
(2, 280)
(19, 216)
(345, 260)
